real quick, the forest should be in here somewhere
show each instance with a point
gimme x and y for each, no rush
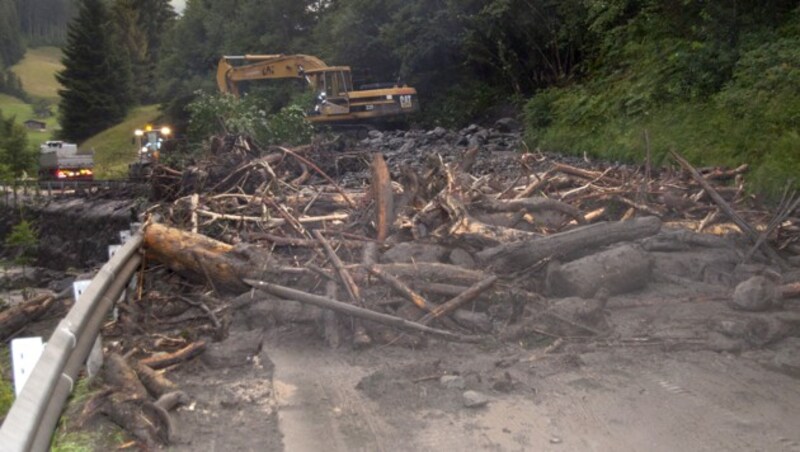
(716, 80)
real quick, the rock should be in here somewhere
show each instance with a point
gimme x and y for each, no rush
(453, 382)
(473, 320)
(229, 399)
(507, 125)
(470, 129)
(462, 258)
(375, 134)
(503, 382)
(238, 350)
(408, 147)
(618, 270)
(437, 133)
(474, 399)
(787, 359)
(409, 252)
(756, 294)
(588, 312)
(396, 143)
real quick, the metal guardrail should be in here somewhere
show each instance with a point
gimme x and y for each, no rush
(11, 191)
(32, 419)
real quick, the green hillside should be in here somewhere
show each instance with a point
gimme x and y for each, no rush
(38, 74)
(113, 148)
(11, 106)
(37, 71)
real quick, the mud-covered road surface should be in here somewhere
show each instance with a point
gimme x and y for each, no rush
(598, 397)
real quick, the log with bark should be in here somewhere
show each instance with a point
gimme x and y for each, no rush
(513, 257)
(17, 317)
(205, 259)
(129, 406)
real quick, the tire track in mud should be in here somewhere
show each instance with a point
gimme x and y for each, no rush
(732, 383)
(319, 407)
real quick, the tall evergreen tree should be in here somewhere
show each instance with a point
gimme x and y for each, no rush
(130, 41)
(44, 22)
(11, 46)
(95, 94)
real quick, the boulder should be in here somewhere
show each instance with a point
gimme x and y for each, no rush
(474, 399)
(755, 294)
(410, 252)
(507, 125)
(618, 270)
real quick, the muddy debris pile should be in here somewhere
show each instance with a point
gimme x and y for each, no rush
(399, 237)
(386, 242)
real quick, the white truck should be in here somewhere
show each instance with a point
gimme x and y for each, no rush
(62, 161)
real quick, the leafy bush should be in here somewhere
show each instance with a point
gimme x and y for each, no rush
(6, 388)
(220, 113)
(715, 104)
(23, 240)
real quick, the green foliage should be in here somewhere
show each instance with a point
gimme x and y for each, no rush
(213, 114)
(16, 157)
(721, 90)
(11, 84)
(23, 240)
(12, 48)
(44, 22)
(6, 387)
(288, 127)
(42, 108)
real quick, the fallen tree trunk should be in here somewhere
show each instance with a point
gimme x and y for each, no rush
(129, 407)
(168, 359)
(512, 257)
(355, 311)
(533, 205)
(382, 195)
(433, 272)
(16, 317)
(728, 210)
(194, 253)
(475, 233)
(197, 256)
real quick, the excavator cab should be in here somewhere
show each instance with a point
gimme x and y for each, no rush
(332, 85)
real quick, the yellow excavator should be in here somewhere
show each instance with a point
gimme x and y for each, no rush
(336, 101)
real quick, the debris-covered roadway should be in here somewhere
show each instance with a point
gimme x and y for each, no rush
(442, 290)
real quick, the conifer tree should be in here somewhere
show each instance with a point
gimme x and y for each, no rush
(11, 46)
(156, 17)
(96, 93)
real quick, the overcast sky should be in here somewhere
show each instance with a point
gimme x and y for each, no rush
(178, 5)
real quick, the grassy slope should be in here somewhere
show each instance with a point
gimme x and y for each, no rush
(113, 147)
(11, 106)
(37, 71)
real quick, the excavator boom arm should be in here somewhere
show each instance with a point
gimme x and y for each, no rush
(259, 67)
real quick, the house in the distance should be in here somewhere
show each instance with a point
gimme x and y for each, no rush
(33, 124)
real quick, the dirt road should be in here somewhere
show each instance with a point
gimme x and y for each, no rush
(620, 399)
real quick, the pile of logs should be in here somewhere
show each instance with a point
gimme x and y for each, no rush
(435, 249)
(415, 253)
